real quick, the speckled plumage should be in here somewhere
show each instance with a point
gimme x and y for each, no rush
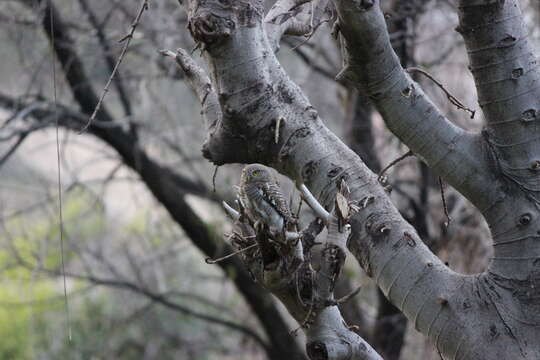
(263, 198)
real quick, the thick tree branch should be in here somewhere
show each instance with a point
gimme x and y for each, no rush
(253, 88)
(454, 311)
(372, 64)
(203, 88)
(507, 77)
(388, 332)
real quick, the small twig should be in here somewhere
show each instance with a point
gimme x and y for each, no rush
(215, 261)
(15, 146)
(311, 28)
(311, 33)
(314, 204)
(298, 295)
(167, 53)
(349, 296)
(401, 158)
(448, 218)
(306, 320)
(214, 179)
(300, 202)
(450, 97)
(235, 215)
(127, 39)
(273, 14)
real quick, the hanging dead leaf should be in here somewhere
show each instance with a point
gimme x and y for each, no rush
(342, 206)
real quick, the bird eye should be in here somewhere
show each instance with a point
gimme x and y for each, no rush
(255, 173)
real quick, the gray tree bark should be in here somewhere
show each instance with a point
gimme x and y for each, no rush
(486, 316)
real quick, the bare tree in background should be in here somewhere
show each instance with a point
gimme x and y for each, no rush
(168, 187)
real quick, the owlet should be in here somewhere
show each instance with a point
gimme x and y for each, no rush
(263, 199)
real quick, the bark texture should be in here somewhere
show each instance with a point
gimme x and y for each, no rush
(486, 316)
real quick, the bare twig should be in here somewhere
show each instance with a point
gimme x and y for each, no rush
(235, 215)
(107, 54)
(12, 149)
(313, 28)
(450, 97)
(289, 17)
(313, 203)
(214, 179)
(215, 261)
(127, 39)
(349, 296)
(448, 218)
(311, 61)
(401, 158)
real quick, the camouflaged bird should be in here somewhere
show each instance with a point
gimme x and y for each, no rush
(263, 199)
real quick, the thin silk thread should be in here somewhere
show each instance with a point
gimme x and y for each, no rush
(59, 173)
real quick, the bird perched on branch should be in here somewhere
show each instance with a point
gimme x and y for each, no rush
(264, 201)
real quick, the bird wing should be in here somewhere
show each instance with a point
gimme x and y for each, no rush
(272, 193)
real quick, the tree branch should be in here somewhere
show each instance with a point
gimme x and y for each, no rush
(127, 39)
(371, 63)
(454, 311)
(293, 17)
(107, 53)
(255, 92)
(202, 87)
(507, 77)
(20, 139)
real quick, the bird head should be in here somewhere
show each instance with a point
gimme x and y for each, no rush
(256, 173)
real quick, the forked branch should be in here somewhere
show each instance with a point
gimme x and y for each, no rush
(293, 17)
(372, 64)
